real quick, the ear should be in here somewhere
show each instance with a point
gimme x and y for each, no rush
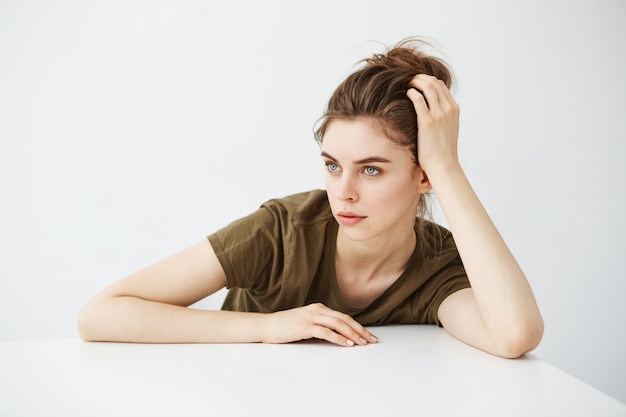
(423, 184)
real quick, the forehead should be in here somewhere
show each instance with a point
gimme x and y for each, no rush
(359, 138)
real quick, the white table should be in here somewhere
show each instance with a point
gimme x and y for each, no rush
(413, 371)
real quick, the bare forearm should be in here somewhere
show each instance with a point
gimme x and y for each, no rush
(131, 319)
(501, 289)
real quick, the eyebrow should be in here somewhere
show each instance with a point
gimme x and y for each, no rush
(363, 161)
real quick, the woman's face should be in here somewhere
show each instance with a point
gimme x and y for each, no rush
(373, 184)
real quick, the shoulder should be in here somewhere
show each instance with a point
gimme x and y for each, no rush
(302, 209)
(435, 241)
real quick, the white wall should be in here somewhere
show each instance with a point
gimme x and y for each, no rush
(131, 129)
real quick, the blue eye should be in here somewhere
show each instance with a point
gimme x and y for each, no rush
(332, 167)
(371, 171)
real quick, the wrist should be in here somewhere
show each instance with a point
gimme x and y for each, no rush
(263, 325)
(237, 326)
(438, 173)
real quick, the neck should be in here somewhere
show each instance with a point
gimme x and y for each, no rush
(375, 256)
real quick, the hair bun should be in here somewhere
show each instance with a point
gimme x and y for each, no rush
(409, 56)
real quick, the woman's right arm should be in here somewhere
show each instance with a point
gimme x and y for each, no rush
(150, 306)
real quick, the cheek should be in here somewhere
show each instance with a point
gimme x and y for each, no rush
(329, 180)
(398, 186)
(399, 195)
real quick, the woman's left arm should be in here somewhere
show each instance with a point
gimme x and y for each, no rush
(498, 313)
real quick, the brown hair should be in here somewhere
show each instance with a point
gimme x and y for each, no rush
(377, 91)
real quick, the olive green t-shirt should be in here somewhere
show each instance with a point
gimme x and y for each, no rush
(283, 256)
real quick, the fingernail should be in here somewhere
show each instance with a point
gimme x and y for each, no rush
(363, 340)
(375, 338)
(350, 342)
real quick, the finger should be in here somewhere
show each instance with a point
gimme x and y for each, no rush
(365, 336)
(425, 80)
(433, 89)
(324, 333)
(355, 328)
(346, 326)
(425, 85)
(419, 102)
(445, 103)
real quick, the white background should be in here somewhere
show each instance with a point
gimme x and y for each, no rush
(130, 130)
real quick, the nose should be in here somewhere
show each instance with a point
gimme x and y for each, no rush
(346, 188)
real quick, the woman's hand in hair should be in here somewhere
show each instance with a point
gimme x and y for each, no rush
(437, 123)
(315, 321)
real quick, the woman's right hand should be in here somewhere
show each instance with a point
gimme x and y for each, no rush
(315, 321)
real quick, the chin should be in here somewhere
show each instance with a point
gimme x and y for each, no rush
(354, 234)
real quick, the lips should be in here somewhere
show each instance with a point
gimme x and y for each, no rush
(347, 218)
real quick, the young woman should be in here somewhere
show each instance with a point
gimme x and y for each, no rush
(324, 264)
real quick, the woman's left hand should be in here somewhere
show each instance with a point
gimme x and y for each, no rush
(437, 123)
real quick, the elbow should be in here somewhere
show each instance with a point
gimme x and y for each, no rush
(520, 339)
(83, 326)
(86, 324)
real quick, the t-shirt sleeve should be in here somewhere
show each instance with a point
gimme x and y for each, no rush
(249, 249)
(450, 279)
(440, 274)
